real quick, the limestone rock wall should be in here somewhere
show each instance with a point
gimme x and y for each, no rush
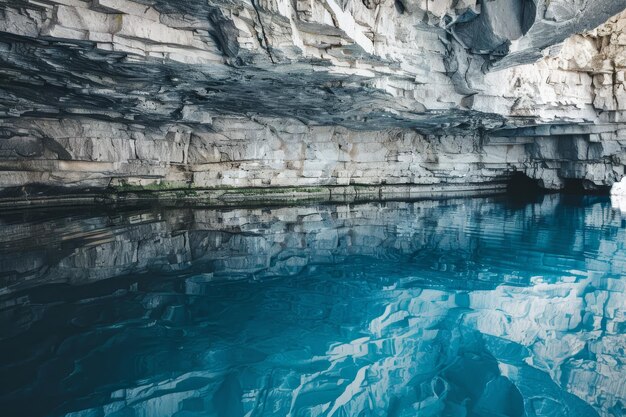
(266, 152)
(262, 93)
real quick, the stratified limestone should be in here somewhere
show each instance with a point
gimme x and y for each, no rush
(266, 93)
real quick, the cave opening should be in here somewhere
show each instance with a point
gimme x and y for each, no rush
(583, 186)
(521, 185)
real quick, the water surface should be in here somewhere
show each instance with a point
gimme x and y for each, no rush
(469, 307)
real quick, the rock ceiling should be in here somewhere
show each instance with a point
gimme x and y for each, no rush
(494, 69)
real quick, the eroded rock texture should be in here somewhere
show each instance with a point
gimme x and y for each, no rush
(259, 93)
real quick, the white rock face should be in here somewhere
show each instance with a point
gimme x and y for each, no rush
(618, 195)
(266, 93)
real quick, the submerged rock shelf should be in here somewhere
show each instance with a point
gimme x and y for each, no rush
(244, 197)
(271, 93)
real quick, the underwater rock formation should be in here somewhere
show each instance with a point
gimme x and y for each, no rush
(111, 94)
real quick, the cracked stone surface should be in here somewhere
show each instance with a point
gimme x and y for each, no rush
(263, 93)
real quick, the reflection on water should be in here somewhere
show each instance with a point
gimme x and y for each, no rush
(471, 307)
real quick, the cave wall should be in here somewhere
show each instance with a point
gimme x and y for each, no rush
(111, 94)
(265, 152)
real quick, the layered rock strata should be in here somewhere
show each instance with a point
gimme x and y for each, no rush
(107, 93)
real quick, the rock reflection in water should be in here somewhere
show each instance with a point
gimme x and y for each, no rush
(470, 307)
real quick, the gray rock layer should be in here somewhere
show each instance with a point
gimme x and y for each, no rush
(272, 93)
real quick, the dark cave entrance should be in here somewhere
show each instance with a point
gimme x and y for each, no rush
(521, 185)
(583, 186)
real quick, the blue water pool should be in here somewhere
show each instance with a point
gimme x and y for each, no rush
(468, 307)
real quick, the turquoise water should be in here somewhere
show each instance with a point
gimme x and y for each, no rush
(469, 307)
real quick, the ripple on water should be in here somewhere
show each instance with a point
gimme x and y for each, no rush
(468, 307)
